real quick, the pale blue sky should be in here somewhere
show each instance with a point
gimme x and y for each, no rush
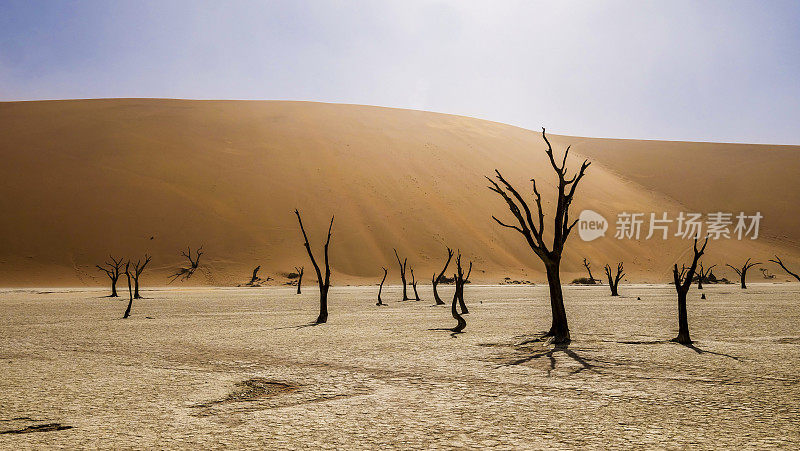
(680, 70)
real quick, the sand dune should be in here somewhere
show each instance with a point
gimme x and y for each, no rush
(84, 178)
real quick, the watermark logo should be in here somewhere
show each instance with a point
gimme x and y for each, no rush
(591, 225)
(629, 225)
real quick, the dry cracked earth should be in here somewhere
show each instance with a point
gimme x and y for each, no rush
(202, 368)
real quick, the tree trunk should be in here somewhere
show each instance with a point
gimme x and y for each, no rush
(559, 331)
(136, 288)
(380, 302)
(323, 305)
(683, 321)
(130, 302)
(435, 283)
(461, 322)
(461, 303)
(299, 282)
(403, 278)
(744, 275)
(114, 289)
(700, 282)
(614, 290)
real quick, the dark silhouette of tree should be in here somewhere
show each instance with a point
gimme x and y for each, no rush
(613, 282)
(683, 281)
(299, 277)
(702, 275)
(138, 269)
(436, 278)
(130, 291)
(402, 273)
(588, 265)
(187, 272)
(414, 285)
(780, 262)
(112, 270)
(385, 272)
(254, 279)
(766, 274)
(463, 282)
(458, 297)
(533, 231)
(324, 284)
(743, 272)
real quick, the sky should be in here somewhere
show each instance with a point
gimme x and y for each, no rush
(725, 71)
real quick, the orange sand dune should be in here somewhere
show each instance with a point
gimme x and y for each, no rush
(83, 178)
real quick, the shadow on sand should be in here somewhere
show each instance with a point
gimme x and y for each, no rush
(690, 346)
(532, 349)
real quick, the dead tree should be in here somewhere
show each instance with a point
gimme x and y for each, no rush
(683, 281)
(402, 273)
(702, 275)
(112, 270)
(766, 274)
(138, 269)
(385, 272)
(533, 231)
(458, 297)
(187, 272)
(464, 281)
(613, 282)
(436, 279)
(299, 277)
(588, 265)
(414, 285)
(780, 262)
(743, 271)
(254, 279)
(324, 284)
(130, 292)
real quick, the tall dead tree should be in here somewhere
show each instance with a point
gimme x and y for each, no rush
(324, 284)
(414, 285)
(533, 231)
(130, 291)
(138, 269)
(702, 275)
(613, 282)
(683, 281)
(588, 267)
(385, 272)
(185, 273)
(402, 273)
(743, 271)
(299, 277)
(458, 297)
(780, 262)
(112, 270)
(436, 279)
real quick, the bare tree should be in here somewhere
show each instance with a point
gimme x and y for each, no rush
(533, 231)
(185, 273)
(385, 272)
(588, 265)
(112, 270)
(402, 273)
(780, 262)
(766, 274)
(414, 285)
(138, 269)
(255, 278)
(130, 291)
(299, 277)
(683, 281)
(702, 275)
(458, 297)
(436, 278)
(613, 282)
(324, 284)
(464, 281)
(743, 272)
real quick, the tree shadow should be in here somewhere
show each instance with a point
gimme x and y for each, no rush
(449, 329)
(540, 347)
(689, 345)
(301, 326)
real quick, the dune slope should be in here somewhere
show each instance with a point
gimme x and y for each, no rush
(85, 178)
